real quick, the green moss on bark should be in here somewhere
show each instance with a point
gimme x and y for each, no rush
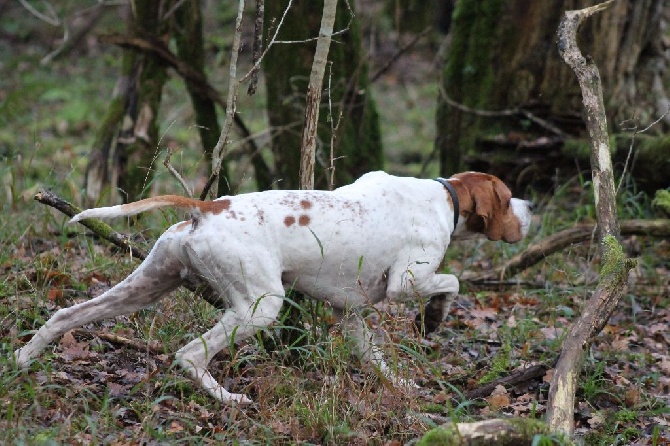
(614, 263)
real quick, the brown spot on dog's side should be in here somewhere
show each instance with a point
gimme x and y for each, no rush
(303, 220)
(289, 220)
(305, 204)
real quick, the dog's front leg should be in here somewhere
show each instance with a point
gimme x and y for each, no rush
(430, 317)
(440, 288)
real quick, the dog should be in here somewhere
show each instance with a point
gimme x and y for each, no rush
(381, 237)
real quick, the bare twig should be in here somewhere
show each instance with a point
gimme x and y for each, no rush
(630, 147)
(52, 19)
(176, 174)
(272, 42)
(507, 112)
(70, 42)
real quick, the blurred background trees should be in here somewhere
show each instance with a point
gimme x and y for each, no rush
(510, 106)
(482, 89)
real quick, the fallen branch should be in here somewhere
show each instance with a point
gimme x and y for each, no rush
(515, 378)
(537, 252)
(103, 230)
(151, 346)
(97, 226)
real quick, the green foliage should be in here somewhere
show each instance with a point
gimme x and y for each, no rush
(500, 363)
(661, 202)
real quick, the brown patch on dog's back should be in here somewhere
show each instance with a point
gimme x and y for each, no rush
(303, 220)
(215, 207)
(305, 204)
(289, 220)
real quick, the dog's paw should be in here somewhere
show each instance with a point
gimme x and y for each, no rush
(239, 398)
(21, 359)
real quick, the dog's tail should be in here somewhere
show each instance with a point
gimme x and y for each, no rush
(126, 210)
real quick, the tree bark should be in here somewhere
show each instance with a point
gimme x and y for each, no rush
(615, 266)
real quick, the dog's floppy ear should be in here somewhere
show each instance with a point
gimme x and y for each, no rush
(491, 201)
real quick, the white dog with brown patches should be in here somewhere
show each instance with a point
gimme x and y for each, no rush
(380, 237)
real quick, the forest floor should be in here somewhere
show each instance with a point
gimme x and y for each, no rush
(113, 382)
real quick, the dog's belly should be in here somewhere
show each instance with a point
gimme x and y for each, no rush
(341, 286)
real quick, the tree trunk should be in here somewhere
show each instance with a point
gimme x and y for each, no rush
(191, 50)
(130, 131)
(503, 56)
(357, 142)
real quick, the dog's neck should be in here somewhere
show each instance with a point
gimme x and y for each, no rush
(454, 198)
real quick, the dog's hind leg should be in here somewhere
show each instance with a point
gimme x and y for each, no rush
(155, 277)
(242, 320)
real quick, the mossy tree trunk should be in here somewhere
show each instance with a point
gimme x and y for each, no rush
(126, 145)
(504, 56)
(357, 143)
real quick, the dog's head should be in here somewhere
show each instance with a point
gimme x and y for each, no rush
(487, 207)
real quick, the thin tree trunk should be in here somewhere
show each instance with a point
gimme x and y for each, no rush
(615, 267)
(308, 147)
